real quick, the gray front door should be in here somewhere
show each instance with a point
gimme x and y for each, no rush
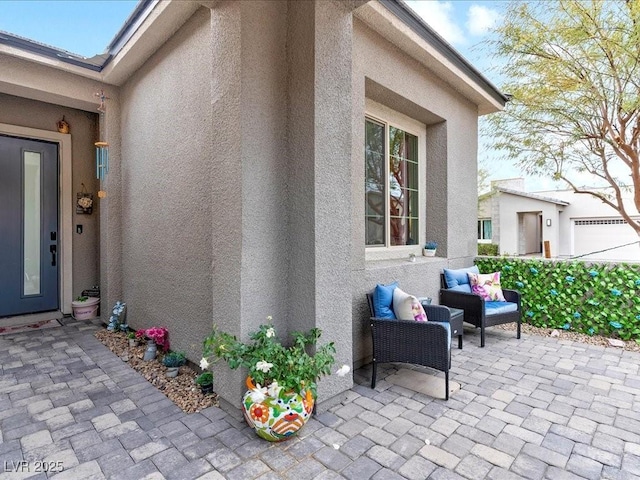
(28, 226)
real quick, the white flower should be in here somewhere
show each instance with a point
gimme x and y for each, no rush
(343, 370)
(263, 366)
(274, 389)
(204, 363)
(270, 332)
(258, 394)
(269, 318)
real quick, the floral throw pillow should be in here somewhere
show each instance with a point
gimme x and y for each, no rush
(408, 307)
(487, 285)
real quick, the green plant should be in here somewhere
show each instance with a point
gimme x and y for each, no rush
(131, 335)
(81, 299)
(488, 249)
(431, 245)
(174, 359)
(269, 362)
(204, 379)
(596, 299)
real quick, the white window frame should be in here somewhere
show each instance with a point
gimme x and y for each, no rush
(485, 240)
(389, 117)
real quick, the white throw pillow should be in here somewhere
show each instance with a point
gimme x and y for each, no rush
(407, 307)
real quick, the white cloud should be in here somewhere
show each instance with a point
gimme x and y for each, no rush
(439, 15)
(480, 19)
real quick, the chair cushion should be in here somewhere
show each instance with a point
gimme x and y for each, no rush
(459, 278)
(487, 285)
(492, 308)
(383, 300)
(408, 307)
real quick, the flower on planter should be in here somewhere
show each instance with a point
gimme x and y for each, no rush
(615, 292)
(577, 315)
(593, 273)
(530, 314)
(553, 292)
(160, 335)
(566, 326)
(204, 364)
(637, 282)
(519, 284)
(615, 324)
(533, 270)
(591, 331)
(569, 279)
(272, 366)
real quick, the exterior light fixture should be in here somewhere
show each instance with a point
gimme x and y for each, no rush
(548, 222)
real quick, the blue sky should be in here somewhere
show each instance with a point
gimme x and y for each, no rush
(86, 27)
(81, 27)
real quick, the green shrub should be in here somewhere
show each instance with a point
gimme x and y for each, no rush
(596, 299)
(488, 249)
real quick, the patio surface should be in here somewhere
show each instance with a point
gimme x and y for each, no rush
(535, 408)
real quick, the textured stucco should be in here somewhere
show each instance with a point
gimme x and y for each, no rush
(44, 116)
(165, 178)
(383, 73)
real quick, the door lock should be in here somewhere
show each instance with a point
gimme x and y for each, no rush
(53, 249)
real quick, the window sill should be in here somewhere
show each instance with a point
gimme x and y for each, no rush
(394, 262)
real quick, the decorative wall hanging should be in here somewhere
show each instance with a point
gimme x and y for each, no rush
(102, 160)
(84, 202)
(102, 148)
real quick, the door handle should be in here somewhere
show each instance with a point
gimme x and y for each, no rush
(52, 249)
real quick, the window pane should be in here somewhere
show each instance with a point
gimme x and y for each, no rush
(32, 165)
(403, 187)
(487, 229)
(375, 183)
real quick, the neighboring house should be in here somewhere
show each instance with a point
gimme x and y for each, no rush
(575, 225)
(238, 185)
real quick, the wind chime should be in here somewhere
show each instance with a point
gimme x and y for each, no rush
(102, 148)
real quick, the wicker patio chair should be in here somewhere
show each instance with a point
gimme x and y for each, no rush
(419, 343)
(475, 308)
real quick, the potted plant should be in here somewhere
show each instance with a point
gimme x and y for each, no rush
(156, 337)
(429, 249)
(205, 382)
(173, 361)
(282, 379)
(85, 308)
(133, 341)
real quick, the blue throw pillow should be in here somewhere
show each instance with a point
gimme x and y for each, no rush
(454, 278)
(383, 300)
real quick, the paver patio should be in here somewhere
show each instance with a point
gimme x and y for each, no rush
(534, 408)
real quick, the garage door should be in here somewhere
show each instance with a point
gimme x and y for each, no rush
(590, 236)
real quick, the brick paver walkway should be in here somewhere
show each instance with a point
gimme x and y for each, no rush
(534, 408)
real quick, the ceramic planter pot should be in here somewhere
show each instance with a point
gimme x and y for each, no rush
(428, 253)
(172, 372)
(278, 418)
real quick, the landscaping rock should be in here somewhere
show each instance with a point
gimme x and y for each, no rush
(181, 390)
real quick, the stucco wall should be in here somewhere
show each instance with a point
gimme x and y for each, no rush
(166, 175)
(44, 116)
(387, 76)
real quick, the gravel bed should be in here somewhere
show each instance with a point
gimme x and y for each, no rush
(181, 390)
(560, 334)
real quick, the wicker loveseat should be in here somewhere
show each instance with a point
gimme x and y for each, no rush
(477, 311)
(406, 341)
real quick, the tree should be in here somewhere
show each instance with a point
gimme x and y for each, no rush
(573, 70)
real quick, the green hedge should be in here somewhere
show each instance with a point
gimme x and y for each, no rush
(487, 249)
(596, 299)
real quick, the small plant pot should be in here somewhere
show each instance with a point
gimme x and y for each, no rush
(206, 388)
(172, 372)
(428, 252)
(151, 351)
(133, 342)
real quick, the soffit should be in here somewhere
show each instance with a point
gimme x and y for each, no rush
(425, 46)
